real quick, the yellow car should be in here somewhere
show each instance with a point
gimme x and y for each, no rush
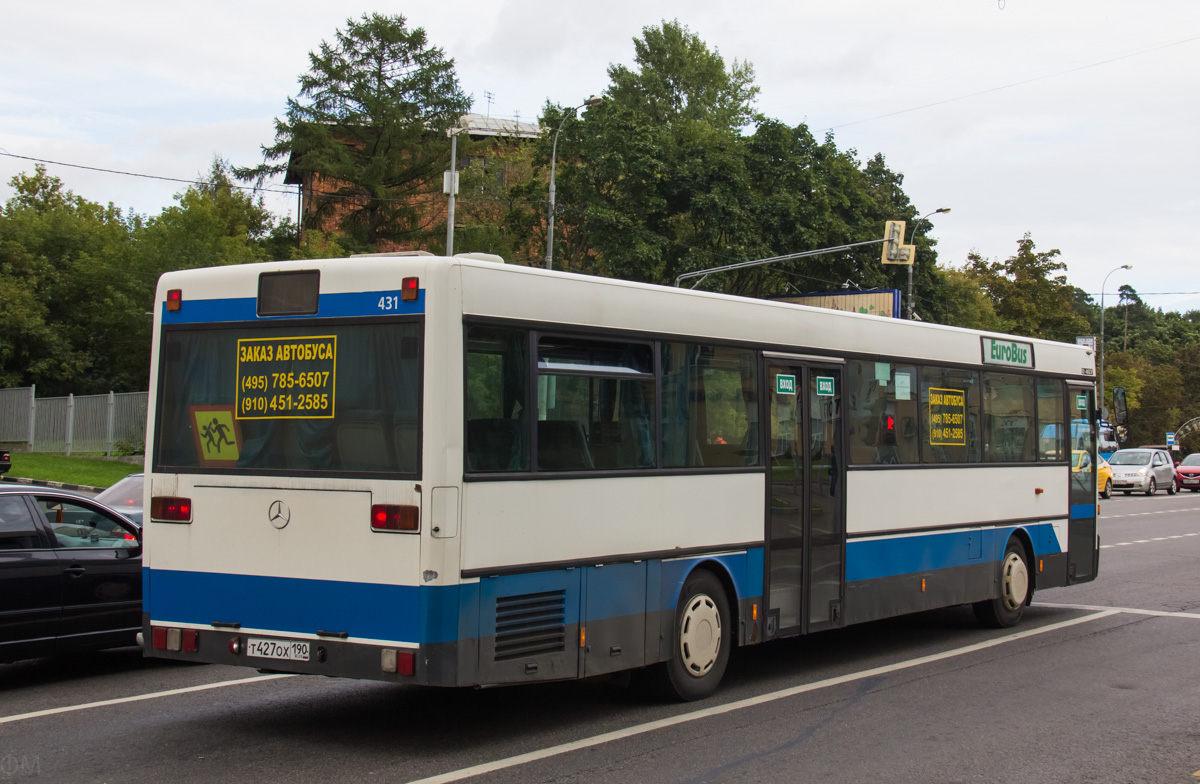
(1082, 461)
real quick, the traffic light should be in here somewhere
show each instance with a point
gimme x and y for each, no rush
(894, 249)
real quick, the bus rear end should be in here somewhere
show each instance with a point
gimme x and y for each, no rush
(284, 510)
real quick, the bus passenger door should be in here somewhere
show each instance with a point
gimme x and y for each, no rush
(806, 525)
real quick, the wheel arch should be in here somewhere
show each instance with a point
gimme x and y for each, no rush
(722, 573)
(1022, 536)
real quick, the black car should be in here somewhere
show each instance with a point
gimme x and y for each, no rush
(5, 462)
(70, 574)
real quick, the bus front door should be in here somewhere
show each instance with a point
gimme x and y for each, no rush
(806, 480)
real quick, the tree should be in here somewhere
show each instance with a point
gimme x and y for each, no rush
(677, 172)
(966, 304)
(68, 292)
(370, 125)
(1027, 295)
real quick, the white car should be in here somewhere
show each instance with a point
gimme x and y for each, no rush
(1142, 470)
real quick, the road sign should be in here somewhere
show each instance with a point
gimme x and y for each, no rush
(1170, 439)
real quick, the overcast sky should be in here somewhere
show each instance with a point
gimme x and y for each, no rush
(1074, 120)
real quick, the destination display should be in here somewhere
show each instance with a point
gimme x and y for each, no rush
(947, 417)
(286, 378)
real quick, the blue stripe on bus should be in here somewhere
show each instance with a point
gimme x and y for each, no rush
(357, 303)
(1083, 511)
(425, 614)
(897, 555)
(286, 604)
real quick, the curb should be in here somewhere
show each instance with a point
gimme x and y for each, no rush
(56, 485)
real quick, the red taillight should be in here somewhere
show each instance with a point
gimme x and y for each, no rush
(392, 517)
(169, 509)
(174, 299)
(191, 640)
(397, 661)
(409, 288)
(159, 638)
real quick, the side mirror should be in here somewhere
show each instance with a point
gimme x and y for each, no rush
(1120, 411)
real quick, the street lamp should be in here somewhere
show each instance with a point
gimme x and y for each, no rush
(1103, 415)
(912, 241)
(595, 100)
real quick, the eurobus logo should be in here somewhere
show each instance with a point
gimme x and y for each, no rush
(1007, 352)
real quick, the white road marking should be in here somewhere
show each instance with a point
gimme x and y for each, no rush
(139, 697)
(717, 710)
(1146, 541)
(1130, 610)
(1143, 514)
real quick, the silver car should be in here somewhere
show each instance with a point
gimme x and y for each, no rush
(1142, 470)
(126, 497)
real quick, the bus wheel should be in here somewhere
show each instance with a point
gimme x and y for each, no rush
(1007, 608)
(1107, 491)
(703, 636)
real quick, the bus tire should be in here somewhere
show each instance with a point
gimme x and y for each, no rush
(702, 636)
(1007, 608)
(1106, 493)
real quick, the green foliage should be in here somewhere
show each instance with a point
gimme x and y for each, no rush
(129, 447)
(66, 289)
(663, 179)
(77, 278)
(370, 122)
(966, 304)
(1026, 294)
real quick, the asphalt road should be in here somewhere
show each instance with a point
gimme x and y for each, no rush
(1098, 684)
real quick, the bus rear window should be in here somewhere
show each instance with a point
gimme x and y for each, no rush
(290, 400)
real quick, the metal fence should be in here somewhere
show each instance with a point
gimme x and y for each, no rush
(83, 423)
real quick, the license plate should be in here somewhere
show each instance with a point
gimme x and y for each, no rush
(291, 650)
(1190, 481)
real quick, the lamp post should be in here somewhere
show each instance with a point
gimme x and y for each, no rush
(593, 101)
(1103, 415)
(912, 241)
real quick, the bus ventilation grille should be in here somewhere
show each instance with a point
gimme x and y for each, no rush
(530, 625)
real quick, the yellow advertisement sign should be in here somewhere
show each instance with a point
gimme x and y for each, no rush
(947, 417)
(286, 378)
(217, 435)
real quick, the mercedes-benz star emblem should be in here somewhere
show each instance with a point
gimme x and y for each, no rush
(279, 514)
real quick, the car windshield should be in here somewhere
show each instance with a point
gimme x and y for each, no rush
(124, 494)
(1192, 460)
(1134, 457)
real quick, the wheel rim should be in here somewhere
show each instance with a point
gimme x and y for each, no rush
(1152, 488)
(700, 636)
(1016, 581)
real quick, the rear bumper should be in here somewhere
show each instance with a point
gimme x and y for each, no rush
(330, 657)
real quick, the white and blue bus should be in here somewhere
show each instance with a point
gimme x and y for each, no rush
(458, 472)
